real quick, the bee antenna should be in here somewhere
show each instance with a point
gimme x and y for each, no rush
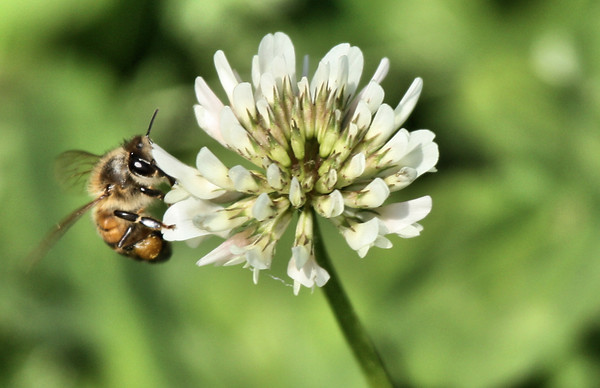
(151, 122)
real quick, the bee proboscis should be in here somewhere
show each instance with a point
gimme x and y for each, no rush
(123, 183)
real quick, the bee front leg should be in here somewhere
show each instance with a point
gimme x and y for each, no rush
(148, 222)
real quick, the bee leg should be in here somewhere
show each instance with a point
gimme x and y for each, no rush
(125, 236)
(162, 173)
(148, 222)
(152, 192)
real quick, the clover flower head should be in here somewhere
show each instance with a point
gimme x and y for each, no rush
(314, 145)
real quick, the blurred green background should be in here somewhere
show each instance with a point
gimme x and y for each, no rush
(501, 290)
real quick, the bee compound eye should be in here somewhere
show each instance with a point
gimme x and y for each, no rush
(140, 166)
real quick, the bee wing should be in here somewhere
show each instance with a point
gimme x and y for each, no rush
(72, 169)
(59, 230)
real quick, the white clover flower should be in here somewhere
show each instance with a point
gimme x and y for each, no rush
(315, 143)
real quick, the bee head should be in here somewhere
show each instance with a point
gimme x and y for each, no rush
(140, 160)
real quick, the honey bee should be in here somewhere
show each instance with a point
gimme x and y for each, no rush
(123, 183)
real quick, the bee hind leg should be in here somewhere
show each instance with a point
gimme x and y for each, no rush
(125, 236)
(141, 243)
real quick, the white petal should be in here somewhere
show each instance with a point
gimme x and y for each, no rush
(321, 276)
(377, 193)
(208, 121)
(263, 207)
(395, 149)
(277, 59)
(181, 215)
(369, 234)
(382, 242)
(268, 87)
(421, 136)
(279, 71)
(226, 74)
(296, 195)
(382, 70)
(213, 169)
(234, 134)
(320, 79)
(228, 252)
(382, 126)
(411, 231)
(336, 52)
(219, 221)
(255, 71)
(277, 47)
(307, 274)
(206, 97)
(265, 53)
(339, 75)
(327, 181)
(243, 103)
(354, 168)
(259, 258)
(415, 149)
(176, 194)
(218, 256)
(356, 67)
(400, 179)
(300, 255)
(362, 116)
(372, 95)
(423, 154)
(372, 196)
(275, 177)
(303, 87)
(207, 113)
(361, 235)
(362, 252)
(352, 65)
(297, 285)
(242, 179)
(408, 102)
(400, 217)
(255, 273)
(331, 205)
(170, 164)
(262, 106)
(285, 49)
(189, 178)
(427, 159)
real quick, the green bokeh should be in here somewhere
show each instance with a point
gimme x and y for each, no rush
(500, 290)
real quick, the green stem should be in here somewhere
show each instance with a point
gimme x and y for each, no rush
(354, 332)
